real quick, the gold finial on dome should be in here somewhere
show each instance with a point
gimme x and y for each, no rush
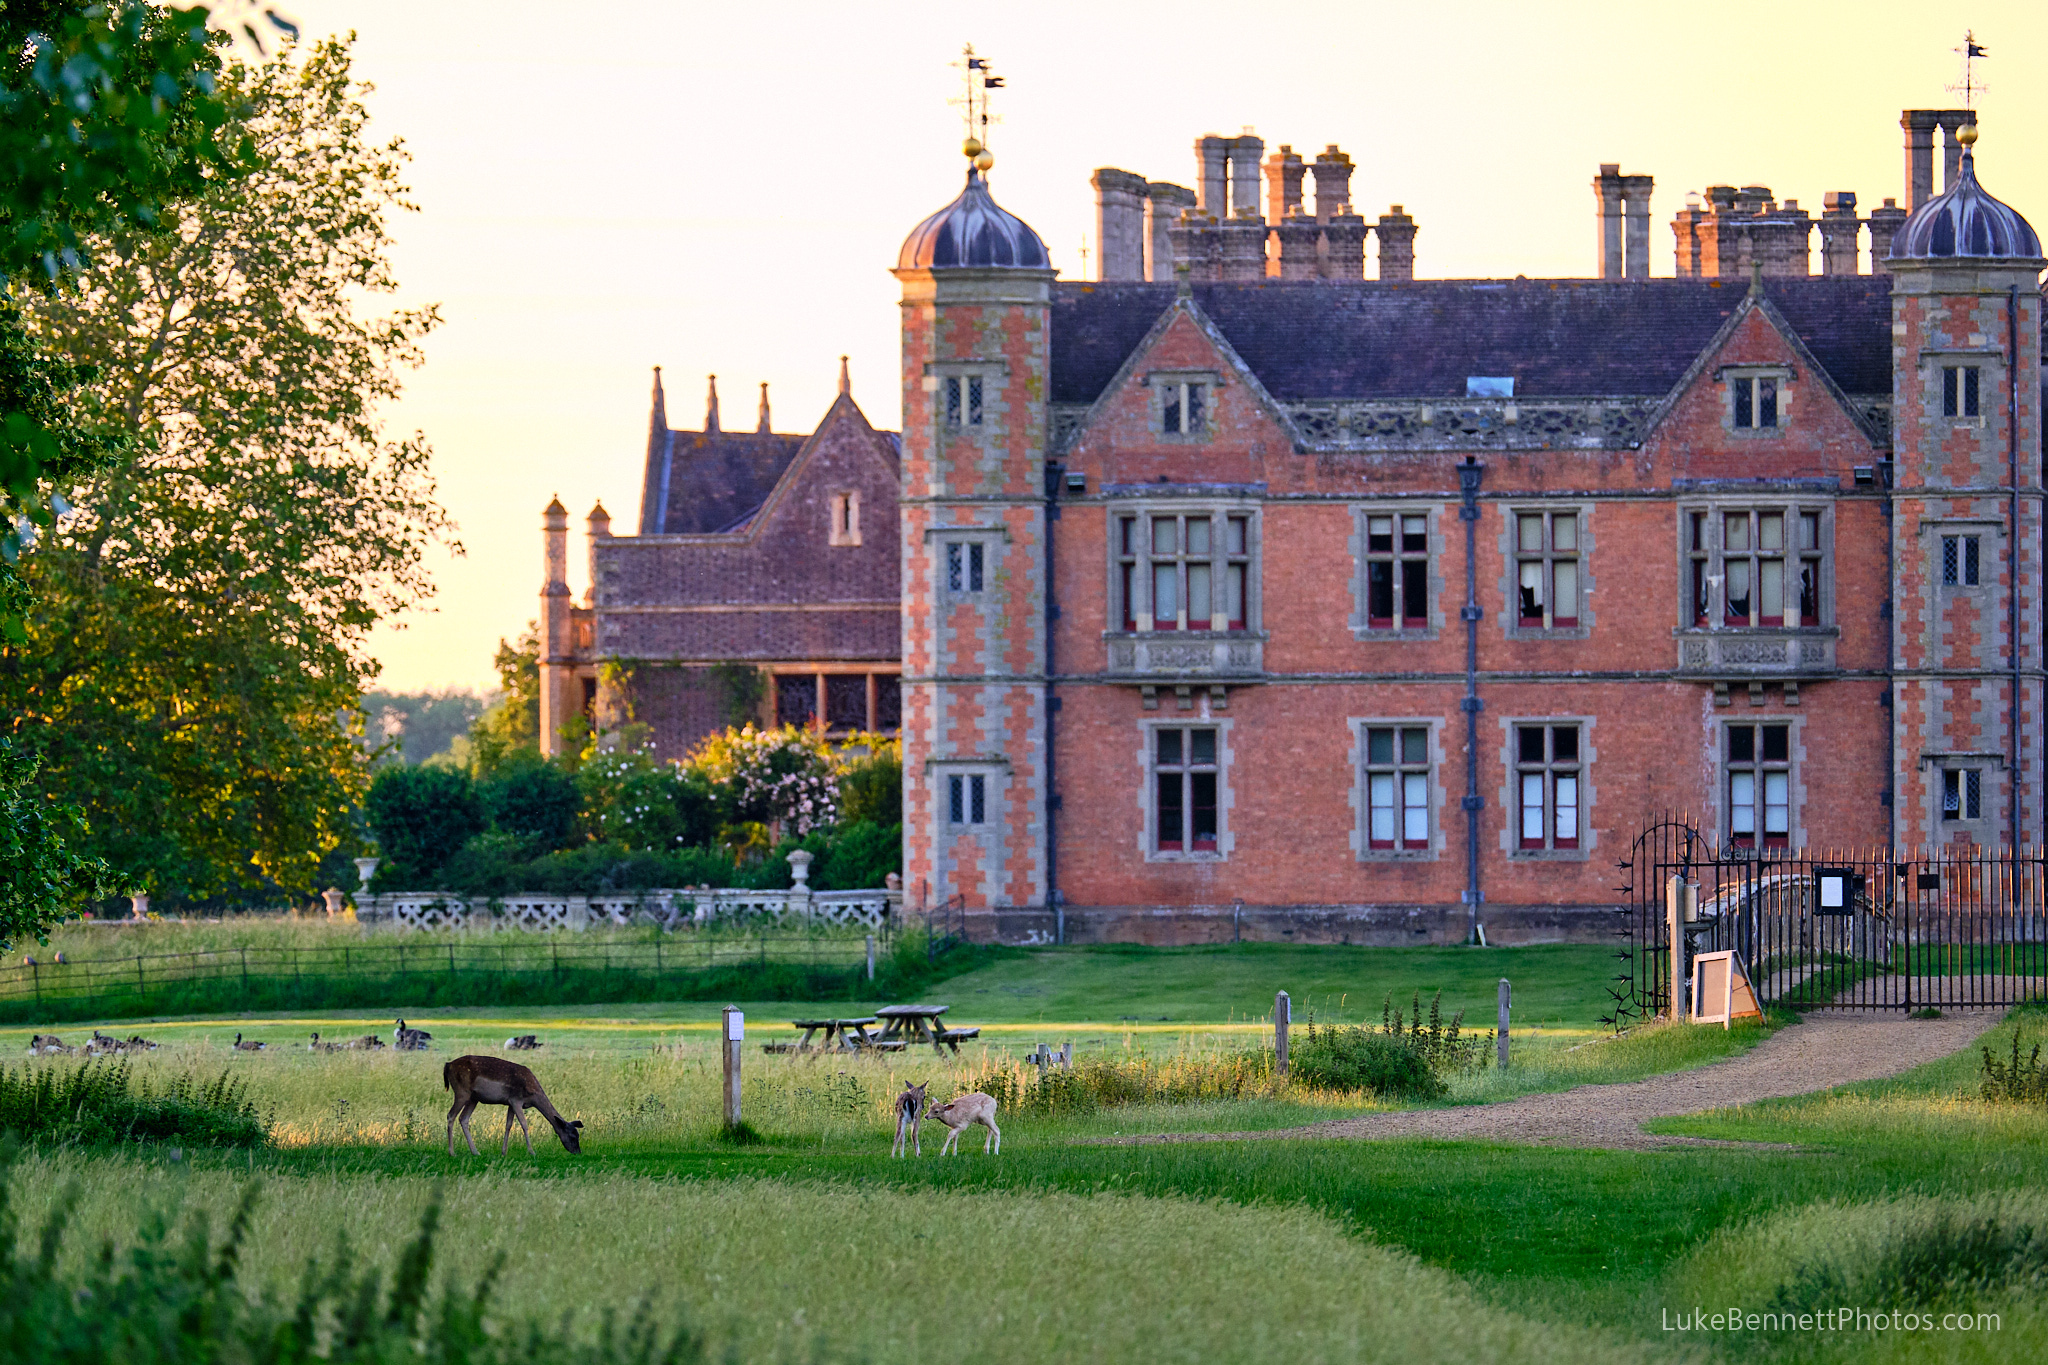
(970, 148)
(1967, 134)
(985, 160)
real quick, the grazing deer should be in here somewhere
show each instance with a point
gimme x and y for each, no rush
(493, 1080)
(909, 1114)
(963, 1113)
(411, 1039)
(251, 1046)
(525, 1042)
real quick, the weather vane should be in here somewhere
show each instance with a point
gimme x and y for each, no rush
(980, 80)
(1969, 87)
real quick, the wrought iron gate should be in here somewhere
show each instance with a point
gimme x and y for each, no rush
(1900, 929)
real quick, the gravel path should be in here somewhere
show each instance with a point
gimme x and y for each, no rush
(1825, 1050)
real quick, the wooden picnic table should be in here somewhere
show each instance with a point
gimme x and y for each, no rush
(841, 1035)
(920, 1024)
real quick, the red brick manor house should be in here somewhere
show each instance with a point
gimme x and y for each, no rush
(1286, 602)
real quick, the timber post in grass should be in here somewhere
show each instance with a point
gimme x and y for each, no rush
(1681, 907)
(1281, 1018)
(1507, 995)
(733, 1033)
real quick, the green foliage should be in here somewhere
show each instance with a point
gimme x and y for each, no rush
(181, 1301)
(785, 777)
(2025, 1082)
(202, 612)
(1109, 1082)
(1360, 1059)
(741, 688)
(425, 724)
(535, 805)
(633, 799)
(871, 789)
(508, 732)
(43, 869)
(421, 817)
(1447, 1050)
(98, 1102)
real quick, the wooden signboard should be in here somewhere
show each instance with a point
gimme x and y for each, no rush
(1721, 991)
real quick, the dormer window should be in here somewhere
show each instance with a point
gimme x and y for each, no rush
(1181, 404)
(1756, 400)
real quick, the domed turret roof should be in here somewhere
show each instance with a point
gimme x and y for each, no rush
(1965, 221)
(973, 230)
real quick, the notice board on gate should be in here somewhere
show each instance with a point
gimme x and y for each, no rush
(1721, 990)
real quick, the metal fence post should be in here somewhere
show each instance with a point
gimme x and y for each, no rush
(1281, 1018)
(871, 957)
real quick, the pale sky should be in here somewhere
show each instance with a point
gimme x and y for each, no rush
(723, 188)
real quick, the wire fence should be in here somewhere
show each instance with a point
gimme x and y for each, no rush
(504, 970)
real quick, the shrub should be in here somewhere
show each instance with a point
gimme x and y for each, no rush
(2023, 1081)
(871, 790)
(536, 805)
(1445, 1049)
(97, 1102)
(638, 801)
(1387, 1064)
(179, 1300)
(784, 777)
(421, 817)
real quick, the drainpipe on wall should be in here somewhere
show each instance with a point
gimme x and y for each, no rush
(1469, 474)
(1889, 610)
(2012, 558)
(1053, 901)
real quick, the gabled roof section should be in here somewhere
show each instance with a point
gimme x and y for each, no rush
(767, 491)
(1185, 306)
(1310, 340)
(712, 481)
(1758, 302)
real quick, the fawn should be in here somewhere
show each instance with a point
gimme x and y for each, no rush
(962, 1113)
(909, 1113)
(493, 1080)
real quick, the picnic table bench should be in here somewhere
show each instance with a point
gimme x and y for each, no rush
(841, 1035)
(920, 1024)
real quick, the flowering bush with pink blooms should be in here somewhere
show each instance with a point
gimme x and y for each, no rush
(786, 778)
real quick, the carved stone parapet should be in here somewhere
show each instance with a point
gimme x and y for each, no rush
(1745, 654)
(1233, 656)
(1475, 424)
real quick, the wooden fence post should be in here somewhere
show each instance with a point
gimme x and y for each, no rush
(733, 1035)
(1506, 994)
(1674, 922)
(1281, 1018)
(871, 957)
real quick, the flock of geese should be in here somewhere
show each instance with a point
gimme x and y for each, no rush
(404, 1039)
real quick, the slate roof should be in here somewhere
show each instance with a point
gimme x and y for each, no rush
(1558, 338)
(717, 480)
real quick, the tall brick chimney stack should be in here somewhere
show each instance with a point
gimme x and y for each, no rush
(1839, 228)
(1687, 229)
(711, 406)
(1885, 221)
(1919, 125)
(1784, 237)
(1299, 236)
(1244, 245)
(1344, 245)
(1120, 200)
(1284, 170)
(1635, 208)
(1333, 183)
(1164, 205)
(1607, 204)
(1198, 244)
(558, 700)
(1212, 159)
(1397, 245)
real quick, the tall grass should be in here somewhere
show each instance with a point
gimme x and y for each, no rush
(98, 1101)
(772, 1270)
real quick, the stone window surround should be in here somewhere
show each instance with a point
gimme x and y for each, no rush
(1226, 839)
(995, 768)
(1510, 804)
(1437, 587)
(1155, 383)
(1361, 806)
(1795, 796)
(1990, 554)
(1789, 502)
(1990, 766)
(1991, 383)
(1510, 615)
(1217, 508)
(843, 511)
(992, 537)
(1787, 378)
(993, 372)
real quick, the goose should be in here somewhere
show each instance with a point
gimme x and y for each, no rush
(251, 1046)
(411, 1039)
(524, 1042)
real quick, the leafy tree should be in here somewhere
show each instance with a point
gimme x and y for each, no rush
(425, 724)
(536, 805)
(41, 865)
(421, 817)
(632, 799)
(508, 732)
(202, 613)
(871, 789)
(786, 777)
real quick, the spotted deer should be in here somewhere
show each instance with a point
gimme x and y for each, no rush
(909, 1113)
(478, 1080)
(964, 1112)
